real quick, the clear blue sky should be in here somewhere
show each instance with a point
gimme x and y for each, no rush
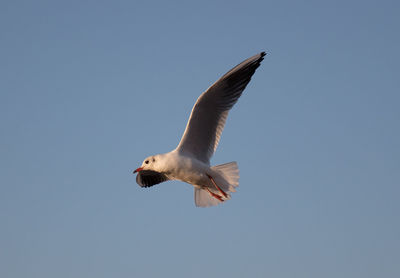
(90, 88)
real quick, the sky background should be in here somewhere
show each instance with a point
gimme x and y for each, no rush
(89, 89)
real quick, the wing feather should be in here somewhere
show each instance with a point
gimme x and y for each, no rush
(147, 178)
(209, 114)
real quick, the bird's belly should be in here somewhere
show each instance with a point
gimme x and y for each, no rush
(191, 172)
(193, 177)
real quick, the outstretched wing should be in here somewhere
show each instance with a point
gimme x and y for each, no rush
(210, 111)
(147, 178)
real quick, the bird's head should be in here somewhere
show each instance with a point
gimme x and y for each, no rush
(150, 163)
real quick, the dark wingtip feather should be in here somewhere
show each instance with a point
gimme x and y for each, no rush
(148, 178)
(262, 54)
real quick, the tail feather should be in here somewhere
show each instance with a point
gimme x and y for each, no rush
(203, 199)
(226, 177)
(230, 173)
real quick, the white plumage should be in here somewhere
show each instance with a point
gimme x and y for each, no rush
(190, 161)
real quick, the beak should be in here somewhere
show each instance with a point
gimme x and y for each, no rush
(138, 170)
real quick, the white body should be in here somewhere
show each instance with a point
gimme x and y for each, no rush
(177, 166)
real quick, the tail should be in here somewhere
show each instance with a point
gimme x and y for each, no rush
(226, 176)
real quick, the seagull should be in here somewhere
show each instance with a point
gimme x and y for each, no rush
(190, 161)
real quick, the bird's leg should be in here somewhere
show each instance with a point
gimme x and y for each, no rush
(216, 196)
(219, 189)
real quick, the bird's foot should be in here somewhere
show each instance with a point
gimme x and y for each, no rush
(216, 196)
(219, 189)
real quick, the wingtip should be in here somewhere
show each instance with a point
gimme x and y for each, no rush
(260, 57)
(262, 54)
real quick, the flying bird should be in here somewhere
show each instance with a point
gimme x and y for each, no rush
(190, 161)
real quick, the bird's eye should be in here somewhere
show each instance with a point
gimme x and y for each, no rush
(154, 160)
(147, 162)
